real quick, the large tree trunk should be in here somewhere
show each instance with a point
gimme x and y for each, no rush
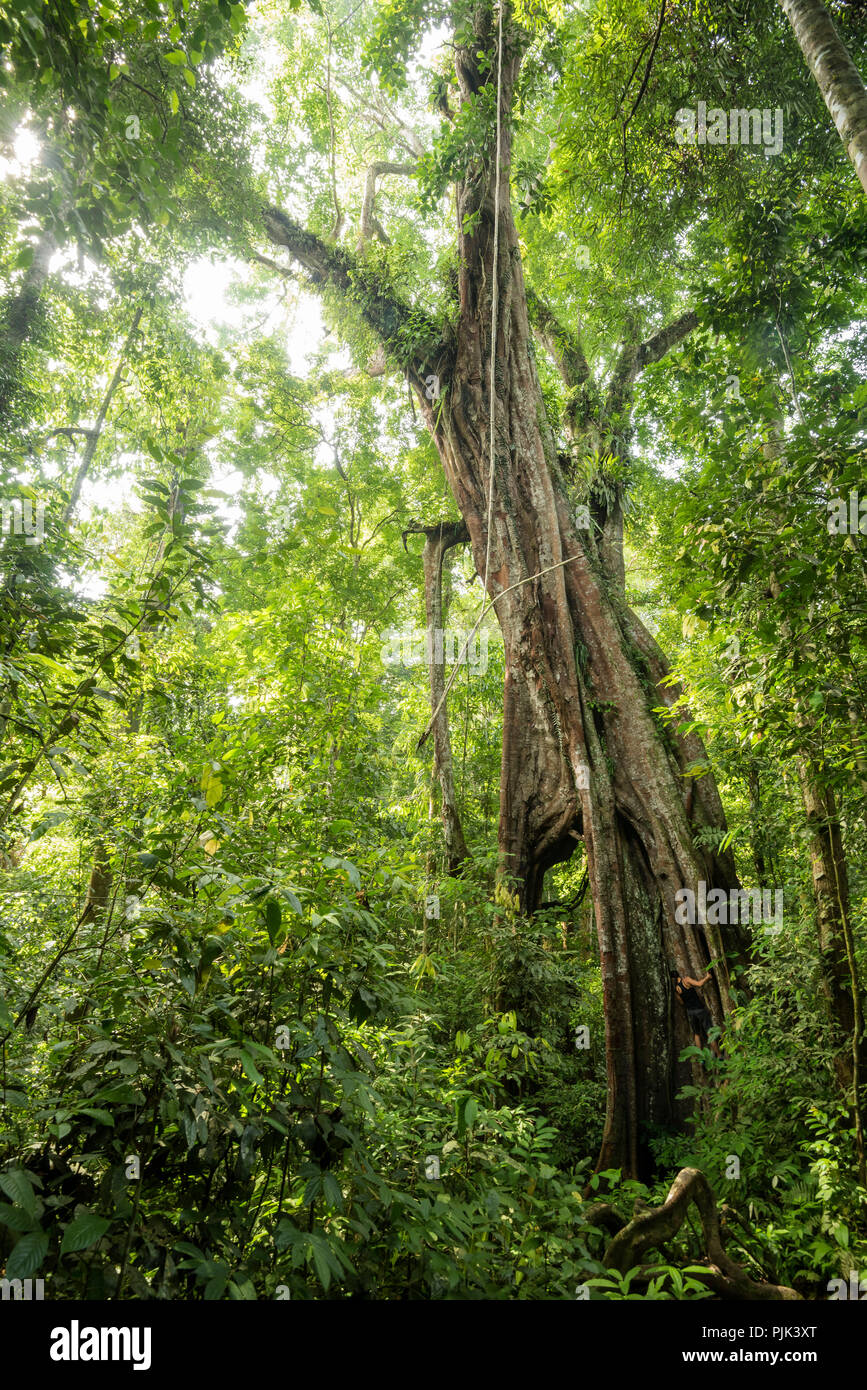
(584, 755)
(837, 77)
(582, 750)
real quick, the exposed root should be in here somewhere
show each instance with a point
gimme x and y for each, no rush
(650, 1229)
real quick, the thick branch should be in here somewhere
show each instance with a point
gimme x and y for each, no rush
(606, 1217)
(635, 357)
(837, 77)
(272, 265)
(564, 348)
(662, 342)
(421, 351)
(451, 533)
(69, 431)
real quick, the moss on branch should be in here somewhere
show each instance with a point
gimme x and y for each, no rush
(416, 342)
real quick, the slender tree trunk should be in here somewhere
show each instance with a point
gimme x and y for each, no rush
(837, 77)
(755, 826)
(830, 878)
(438, 540)
(860, 759)
(19, 319)
(837, 943)
(831, 896)
(94, 434)
(100, 883)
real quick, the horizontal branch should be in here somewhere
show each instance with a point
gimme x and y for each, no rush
(69, 431)
(451, 533)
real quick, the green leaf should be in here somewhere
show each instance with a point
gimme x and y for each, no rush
(216, 1285)
(17, 1186)
(16, 1218)
(240, 1288)
(250, 1068)
(83, 1232)
(331, 1189)
(274, 920)
(320, 1259)
(27, 1256)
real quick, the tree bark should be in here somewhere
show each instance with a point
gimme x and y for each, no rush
(837, 77)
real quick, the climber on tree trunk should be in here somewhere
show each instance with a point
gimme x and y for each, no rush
(699, 1016)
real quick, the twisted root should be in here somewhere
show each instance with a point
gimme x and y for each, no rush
(649, 1229)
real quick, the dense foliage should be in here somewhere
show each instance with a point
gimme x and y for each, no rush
(257, 1042)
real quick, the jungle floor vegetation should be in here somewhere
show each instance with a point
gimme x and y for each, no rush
(335, 964)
